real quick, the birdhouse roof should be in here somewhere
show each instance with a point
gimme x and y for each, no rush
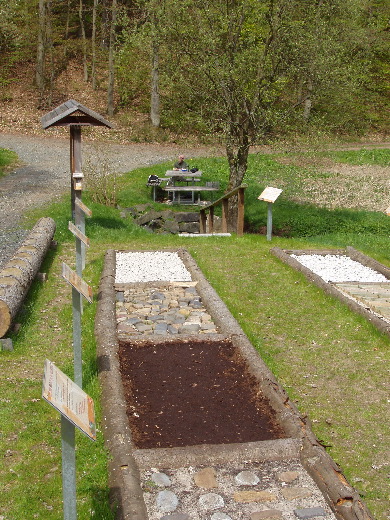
(73, 113)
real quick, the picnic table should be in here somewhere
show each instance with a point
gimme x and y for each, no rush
(175, 186)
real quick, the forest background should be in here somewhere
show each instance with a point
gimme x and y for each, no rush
(243, 70)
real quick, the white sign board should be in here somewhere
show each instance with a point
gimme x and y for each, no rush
(69, 399)
(270, 194)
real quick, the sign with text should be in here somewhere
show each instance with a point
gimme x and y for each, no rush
(77, 233)
(75, 281)
(270, 194)
(69, 399)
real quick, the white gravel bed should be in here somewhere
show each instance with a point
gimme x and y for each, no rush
(156, 266)
(339, 268)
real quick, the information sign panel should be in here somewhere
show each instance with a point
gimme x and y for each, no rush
(69, 399)
(78, 283)
(270, 194)
(77, 233)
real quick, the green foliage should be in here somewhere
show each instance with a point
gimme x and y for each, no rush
(379, 156)
(7, 159)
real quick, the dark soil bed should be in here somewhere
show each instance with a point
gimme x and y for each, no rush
(184, 393)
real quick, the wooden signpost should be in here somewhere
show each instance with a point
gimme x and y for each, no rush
(69, 399)
(270, 195)
(77, 410)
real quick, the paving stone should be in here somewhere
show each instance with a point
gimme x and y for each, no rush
(175, 516)
(167, 501)
(247, 478)
(291, 493)
(161, 328)
(220, 516)
(267, 513)
(172, 329)
(161, 479)
(287, 476)
(211, 501)
(254, 496)
(141, 327)
(206, 478)
(310, 512)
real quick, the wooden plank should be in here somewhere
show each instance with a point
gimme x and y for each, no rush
(80, 204)
(77, 233)
(189, 188)
(78, 283)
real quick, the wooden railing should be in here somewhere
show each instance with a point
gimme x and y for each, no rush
(224, 201)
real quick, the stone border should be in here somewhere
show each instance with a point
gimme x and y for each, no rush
(125, 461)
(329, 288)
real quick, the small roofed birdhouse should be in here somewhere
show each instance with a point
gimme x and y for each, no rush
(73, 113)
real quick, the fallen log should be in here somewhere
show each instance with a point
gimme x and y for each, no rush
(19, 272)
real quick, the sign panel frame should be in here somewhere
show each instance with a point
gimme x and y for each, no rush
(270, 194)
(69, 399)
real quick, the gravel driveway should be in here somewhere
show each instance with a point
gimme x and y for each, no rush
(45, 175)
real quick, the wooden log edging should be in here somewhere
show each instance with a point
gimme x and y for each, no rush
(331, 289)
(20, 271)
(124, 478)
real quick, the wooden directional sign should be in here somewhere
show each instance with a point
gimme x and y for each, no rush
(79, 234)
(75, 281)
(69, 399)
(83, 207)
(270, 194)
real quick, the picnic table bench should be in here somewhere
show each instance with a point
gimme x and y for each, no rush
(191, 178)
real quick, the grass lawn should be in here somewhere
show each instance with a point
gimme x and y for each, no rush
(7, 159)
(332, 362)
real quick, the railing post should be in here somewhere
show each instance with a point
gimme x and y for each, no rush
(225, 204)
(211, 219)
(240, 210)
(202, 221)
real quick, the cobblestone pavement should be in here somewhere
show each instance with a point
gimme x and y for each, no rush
(250, 491)
(170, 308)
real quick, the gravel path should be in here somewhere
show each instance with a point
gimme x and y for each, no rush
(44, 175)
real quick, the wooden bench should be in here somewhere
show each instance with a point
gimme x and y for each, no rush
(189, 189)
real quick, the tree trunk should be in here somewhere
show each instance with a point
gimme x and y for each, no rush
(111, 65)
(237, 155)
(40, 66)
(155, 95)
(93, 71)
(84, 40)
(19, 272)
(308, 101)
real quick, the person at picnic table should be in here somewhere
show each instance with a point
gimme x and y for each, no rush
(180, 164)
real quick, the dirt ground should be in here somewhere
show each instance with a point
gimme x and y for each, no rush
(185, 394)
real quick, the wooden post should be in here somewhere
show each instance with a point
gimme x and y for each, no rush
(75, 159)
(225, 205)
(240, 212)
(202, 222)
(211, 219)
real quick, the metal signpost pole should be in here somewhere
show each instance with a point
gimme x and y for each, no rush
(269, 221)
(269, 195)
(68, 469)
